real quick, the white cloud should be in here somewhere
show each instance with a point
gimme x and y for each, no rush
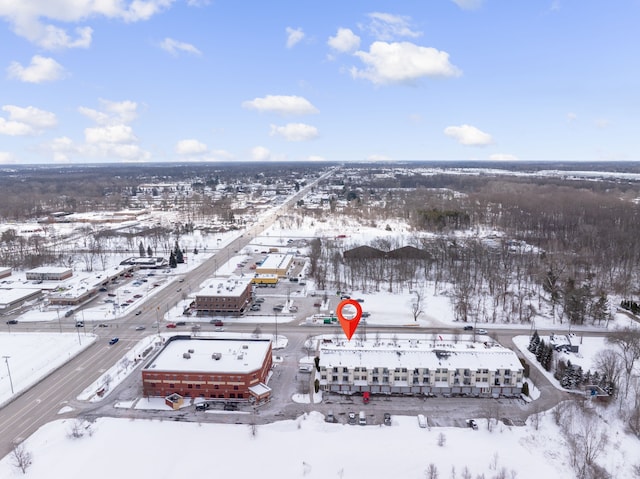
(294, 35)
(282, 104)
(402, 62)
(15, 128)
(468, 135)
(295, 131)
(32, 19)
(7, 158)
(571, 117)
(32, 116)
(190, 147)
(386, 26)
(503, 157)
(174, 47)
(41, 69)
(468, 4)
(260, 153)
(111, 139)
(26, 121)
(345, 41)
(114, 112)
(113, 134)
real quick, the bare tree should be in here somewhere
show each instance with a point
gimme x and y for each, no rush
(628, 342)
(417, 304)
(22, 458)
(608, 362)
(431, 472)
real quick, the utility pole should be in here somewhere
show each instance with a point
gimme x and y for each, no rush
(6, 359)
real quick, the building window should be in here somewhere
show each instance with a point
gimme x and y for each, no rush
(235, 388)
(189, 386)
(385, 379)
(335, 370)
(334, 379)
(323, 377)
(197, 386)
(416, 380)
(345, 370)
(375, 379)
(345, 379)
(215, 386)
(507, 381)
(172, 386)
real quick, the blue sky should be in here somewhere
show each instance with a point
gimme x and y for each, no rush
(85, 81)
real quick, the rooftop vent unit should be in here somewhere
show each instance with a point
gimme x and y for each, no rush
(245, 346)
(191, 351)
(186, 356)
(441, 354)
(241, 356)
(216, 356)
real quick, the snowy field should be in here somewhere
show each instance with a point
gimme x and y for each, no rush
(32, 356)
(305, 447)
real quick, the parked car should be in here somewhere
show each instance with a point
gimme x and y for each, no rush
(472, 424)
(12, 321)
(468, 328)
(181, 323)
(345, 296)
(360, 300)
(482, 331)
(255, 307)
(103, 325)
(352, 418)
(217, 322)
(171, 325)
(139, 312)
(362, 418)
(293, 309)
(140, 328)
(113, 341)
(79, 324)
(422, 421)
(387, 419)
(258, 300)
(330, 417)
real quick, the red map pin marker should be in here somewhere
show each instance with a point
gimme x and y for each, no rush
(349, 325)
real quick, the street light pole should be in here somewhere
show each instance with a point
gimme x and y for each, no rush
(6, 359)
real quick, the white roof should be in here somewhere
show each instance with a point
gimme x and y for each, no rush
(235, 355)
(49, 269)
(8, 296)
(417, 353)
(224, 287)
(276, 261)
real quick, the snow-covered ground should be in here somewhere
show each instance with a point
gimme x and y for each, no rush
(29, 357)
(304, 447)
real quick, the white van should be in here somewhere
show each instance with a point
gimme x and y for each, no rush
(362, 419)
(422, 421)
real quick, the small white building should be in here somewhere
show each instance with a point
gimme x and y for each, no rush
(409, 365)
(49, 273)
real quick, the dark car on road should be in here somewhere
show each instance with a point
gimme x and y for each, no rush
(12, 321)
(468, 328)
(113, 341)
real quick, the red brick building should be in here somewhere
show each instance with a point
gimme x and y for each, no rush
(230, 296)
(213, 368)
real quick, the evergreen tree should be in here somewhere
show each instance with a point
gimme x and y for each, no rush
(195, 250)
(547, 357)
(533, 343)
(149, 251)
(141, 249)
(540, 350)
(179, 256)
(172, 261)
